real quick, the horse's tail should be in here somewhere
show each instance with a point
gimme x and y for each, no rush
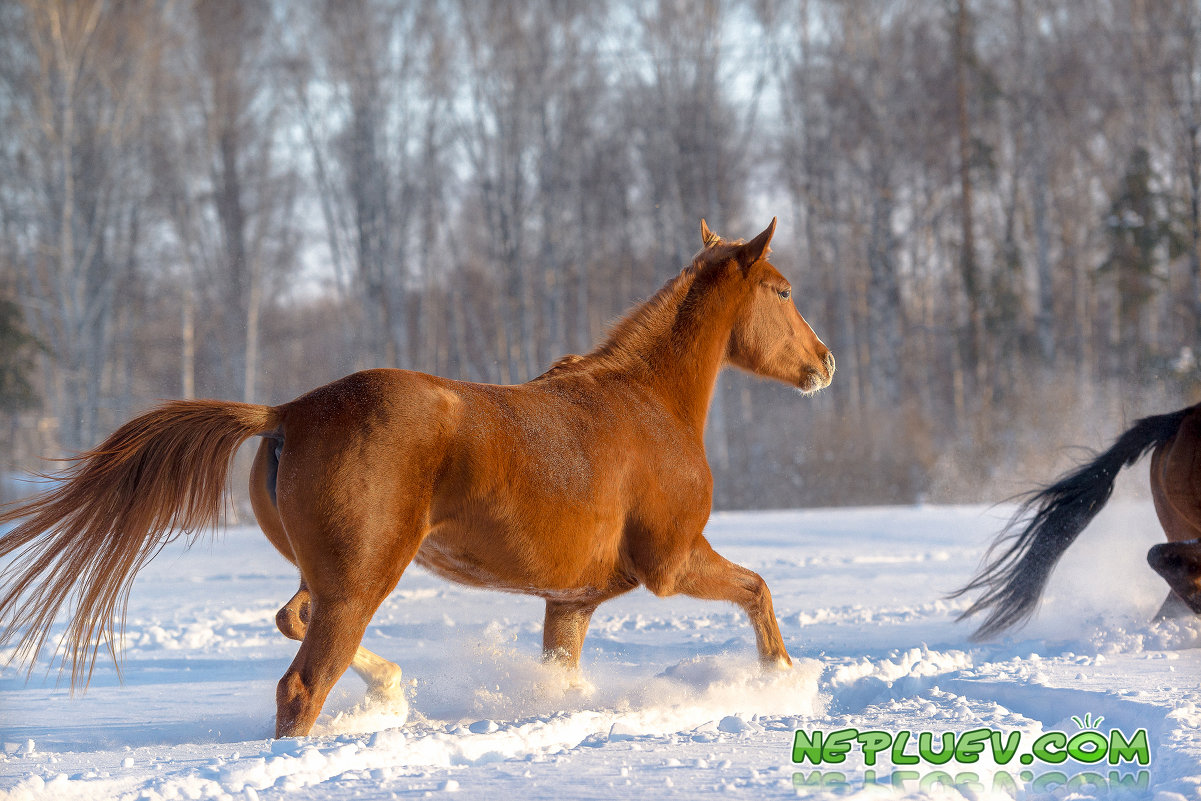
(1048, 521)
(158, 476)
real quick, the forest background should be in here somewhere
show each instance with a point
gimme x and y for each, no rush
(989, 209)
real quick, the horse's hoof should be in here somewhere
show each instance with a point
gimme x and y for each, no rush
(386, 692)
(777, 664)
(579, 686)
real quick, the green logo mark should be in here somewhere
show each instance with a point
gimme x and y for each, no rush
(1088, 746)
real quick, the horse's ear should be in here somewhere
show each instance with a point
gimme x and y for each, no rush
(708, 237)
(757, 248)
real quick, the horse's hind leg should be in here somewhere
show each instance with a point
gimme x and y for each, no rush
(334, 631)
(1176, 491)
(1180, 565)
(706, 574)
(350, 565)
(381, 676)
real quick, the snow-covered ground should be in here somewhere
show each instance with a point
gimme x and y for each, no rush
(676, 705)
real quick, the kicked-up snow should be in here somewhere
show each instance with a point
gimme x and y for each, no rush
(671, 702)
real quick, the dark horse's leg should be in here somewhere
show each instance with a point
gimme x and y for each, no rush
(1180, 565)
(708, 575)
(1176, 491)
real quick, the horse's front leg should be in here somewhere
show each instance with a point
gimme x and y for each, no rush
(566, 622)
(563, 632)
(706, 574)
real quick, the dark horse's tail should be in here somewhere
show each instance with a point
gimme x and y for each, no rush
(158, 476)
(1048, 521)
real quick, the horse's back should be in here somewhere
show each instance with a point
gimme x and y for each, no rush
(563, 439)
(367, 393)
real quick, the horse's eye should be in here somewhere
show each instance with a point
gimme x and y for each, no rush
(785, 294)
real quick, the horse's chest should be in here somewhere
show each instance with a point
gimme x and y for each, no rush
(677, 481)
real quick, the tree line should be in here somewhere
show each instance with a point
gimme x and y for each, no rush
(989, 209)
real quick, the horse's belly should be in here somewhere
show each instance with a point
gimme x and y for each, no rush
(526, 565)
(454, 565)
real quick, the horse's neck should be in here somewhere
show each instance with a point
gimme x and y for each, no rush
(692, 370)
(677, 347)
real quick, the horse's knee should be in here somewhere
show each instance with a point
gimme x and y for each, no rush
(758, 596)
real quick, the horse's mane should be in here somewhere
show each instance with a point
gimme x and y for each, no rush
(629, 336)
(633, 335)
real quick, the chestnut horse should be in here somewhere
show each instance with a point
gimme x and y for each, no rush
(1050, 520)
(576, 487)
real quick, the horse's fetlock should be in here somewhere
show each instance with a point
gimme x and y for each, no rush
(290, 687)
(291, 699)
(776, 662)
(559, 655)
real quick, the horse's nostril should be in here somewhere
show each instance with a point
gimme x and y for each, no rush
(829, 360)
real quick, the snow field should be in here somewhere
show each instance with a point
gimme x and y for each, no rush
(671, 702)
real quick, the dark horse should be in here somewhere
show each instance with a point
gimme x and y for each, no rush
(1048, 521)
(576, 487)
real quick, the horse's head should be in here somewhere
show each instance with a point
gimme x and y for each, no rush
(769, 337)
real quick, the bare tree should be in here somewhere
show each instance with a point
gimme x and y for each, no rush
(77, 76)
(994, 206)
(1176, 28)
(382, 171)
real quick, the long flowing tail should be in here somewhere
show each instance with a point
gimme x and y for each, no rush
(160, 475)
(1048, 521)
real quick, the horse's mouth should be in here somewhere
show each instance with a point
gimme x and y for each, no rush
(814, 380)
